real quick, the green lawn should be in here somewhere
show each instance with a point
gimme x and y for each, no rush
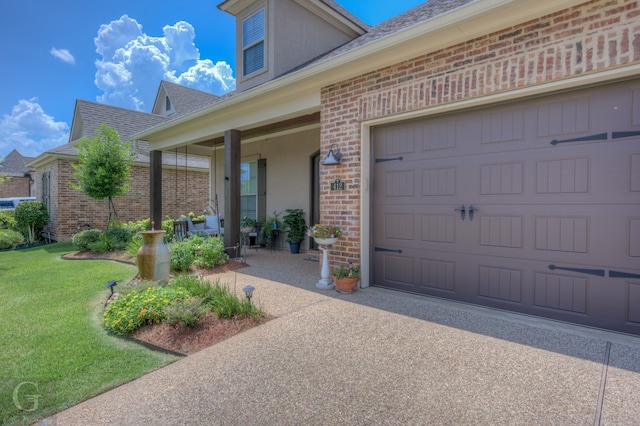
(52, 342)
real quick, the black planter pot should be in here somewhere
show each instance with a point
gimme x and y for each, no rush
(294, 248)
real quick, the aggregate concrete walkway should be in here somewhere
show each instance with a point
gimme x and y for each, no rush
(380, 357)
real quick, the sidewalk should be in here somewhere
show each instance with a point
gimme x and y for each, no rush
(380, 357)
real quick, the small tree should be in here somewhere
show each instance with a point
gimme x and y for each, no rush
(104, 167)
(31, 217)
(3, 177)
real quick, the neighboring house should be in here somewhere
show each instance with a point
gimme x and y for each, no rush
(185, 179)
(490, 148)
(20, 181)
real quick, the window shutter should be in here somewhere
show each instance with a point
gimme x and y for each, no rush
(262, 187)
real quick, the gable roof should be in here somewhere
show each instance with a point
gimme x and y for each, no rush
(14, 165)
(183, 99)
(88, 116)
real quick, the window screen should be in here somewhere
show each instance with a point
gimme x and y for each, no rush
(253, 43)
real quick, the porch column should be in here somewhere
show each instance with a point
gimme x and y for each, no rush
(155, 188)
(231, 188)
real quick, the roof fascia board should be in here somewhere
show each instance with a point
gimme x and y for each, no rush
(240, 115)
(469, 21)
(330, 15)
(234, 7)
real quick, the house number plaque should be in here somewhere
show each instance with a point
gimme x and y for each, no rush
(337, 185)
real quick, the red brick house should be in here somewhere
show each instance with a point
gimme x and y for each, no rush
(186, 179)
(490, 148)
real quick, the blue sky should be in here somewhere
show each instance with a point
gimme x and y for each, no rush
(114, 52)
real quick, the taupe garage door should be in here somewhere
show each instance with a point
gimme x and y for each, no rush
(531, 206)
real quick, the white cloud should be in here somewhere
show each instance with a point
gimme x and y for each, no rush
(29, 130)
(133, 63)
(63, 54)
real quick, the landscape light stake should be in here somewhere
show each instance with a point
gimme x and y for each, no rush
(248, 292)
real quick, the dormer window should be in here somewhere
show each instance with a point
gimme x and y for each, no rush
(253, 43)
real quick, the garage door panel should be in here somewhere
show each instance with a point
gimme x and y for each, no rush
(552, 221)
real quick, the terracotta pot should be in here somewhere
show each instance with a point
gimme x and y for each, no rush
(346, 285)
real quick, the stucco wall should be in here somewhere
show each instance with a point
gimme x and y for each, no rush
(70, 209)
(592, 37)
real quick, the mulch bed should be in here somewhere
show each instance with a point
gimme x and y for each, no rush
(175, 338)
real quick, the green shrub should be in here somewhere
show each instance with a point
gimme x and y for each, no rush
(135, 309)
(227, 305)
(10, 239)
(134, 245)
(195, 286)
(185, 312)
(103, 245)
(31, 217)
(7, 221)
(182, 255)
(119, 237)
(211, 253)
(84, 239)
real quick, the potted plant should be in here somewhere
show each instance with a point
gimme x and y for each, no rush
(271, 229)
(346, 278)
(295, 225)
(325, 234)
(247, 224)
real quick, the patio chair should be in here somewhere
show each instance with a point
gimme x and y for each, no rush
(212, 225)
(199, 229)
(180, 229)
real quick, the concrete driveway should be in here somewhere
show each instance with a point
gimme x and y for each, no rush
(380, 357)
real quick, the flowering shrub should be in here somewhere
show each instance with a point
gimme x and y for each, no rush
(325, 231)
(134, 309)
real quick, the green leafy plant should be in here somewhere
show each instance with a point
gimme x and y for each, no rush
(84, 239)
(247, 222)
(227, 305)
(31, 217)
(325, 231)
(185, 312)
(182, 255)
(211, 253)
(134, 309)
(134, 245)
(271, 229)
(10, 239)
(7, 221)
(104, 167)
(295, 225)
(349, 271)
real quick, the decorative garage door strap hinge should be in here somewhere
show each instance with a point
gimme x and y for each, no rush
(598, 272)
(618, 135)
(598, 137)
(618, 274)
(384, 160)
(387, 250)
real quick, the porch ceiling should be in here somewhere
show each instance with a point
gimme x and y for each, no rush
(273, 129)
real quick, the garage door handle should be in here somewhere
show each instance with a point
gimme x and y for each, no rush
(461, 209)
(387, 250)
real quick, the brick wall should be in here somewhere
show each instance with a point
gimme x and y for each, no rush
(15, 187)
(70, 209)
(591, 37)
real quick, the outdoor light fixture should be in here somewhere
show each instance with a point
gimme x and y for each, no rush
(248, 291)
(111, 284)
(333, 158)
